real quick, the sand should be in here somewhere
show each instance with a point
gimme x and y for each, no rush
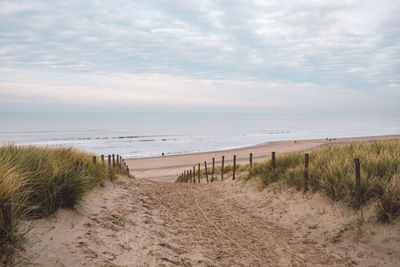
(153, 222)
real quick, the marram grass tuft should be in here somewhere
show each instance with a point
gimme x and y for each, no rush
(38, 181)
(331, 170)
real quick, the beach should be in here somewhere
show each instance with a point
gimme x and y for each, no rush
(199, 133)
(152, 221)
(167, 168)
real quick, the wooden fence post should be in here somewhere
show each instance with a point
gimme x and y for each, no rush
(113, 157)
(212, 169)
(358, 180)
(117, 160)
(234, 167)
(109, 161)
(273, 161)
(205, 166)
(198, 169)
(120, 161)
(194, 174)
(190, 175)
(102, 159)
(222, 168)
(306, 159)
(251, 161)
(358, 175)
(94, 160)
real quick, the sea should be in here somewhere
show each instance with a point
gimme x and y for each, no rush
(135, 135)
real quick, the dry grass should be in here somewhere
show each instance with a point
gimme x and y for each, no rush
(38, 181)
(331, 170)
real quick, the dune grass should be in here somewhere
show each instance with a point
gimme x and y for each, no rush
(39, 180)
(332, 171)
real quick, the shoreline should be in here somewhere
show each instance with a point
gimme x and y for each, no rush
(354, 139)
(168, 167)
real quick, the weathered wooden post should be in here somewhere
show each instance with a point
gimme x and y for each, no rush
(222, 168)
(102, 159)
(190, 175)
(205, 166)
(120, 161)
(358, 180)
(94, 160)
(109, 161)
(358, 175)
(306, 159)
(117, 160)
(113, 157)
(198, 169)
(234, 167)
(194, 174)
(251, 161)
(273, 161)
(212, 169)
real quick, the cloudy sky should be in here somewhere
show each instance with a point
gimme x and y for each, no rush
(243, 55)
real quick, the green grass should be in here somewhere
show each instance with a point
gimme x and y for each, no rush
(39, 180)
(332, 171)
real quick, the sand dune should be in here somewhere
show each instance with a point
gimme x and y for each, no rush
(147, 222)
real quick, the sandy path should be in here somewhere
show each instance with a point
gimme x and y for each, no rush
(149, 223)
(146, 223)
(167, 168)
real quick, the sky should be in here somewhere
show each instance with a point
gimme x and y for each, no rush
(327, 56)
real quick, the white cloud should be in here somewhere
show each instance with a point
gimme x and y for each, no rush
(225, 48)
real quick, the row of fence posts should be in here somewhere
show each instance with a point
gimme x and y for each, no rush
(189, 176)
(114, 161)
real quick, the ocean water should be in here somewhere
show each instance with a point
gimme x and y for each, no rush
(144, 135)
